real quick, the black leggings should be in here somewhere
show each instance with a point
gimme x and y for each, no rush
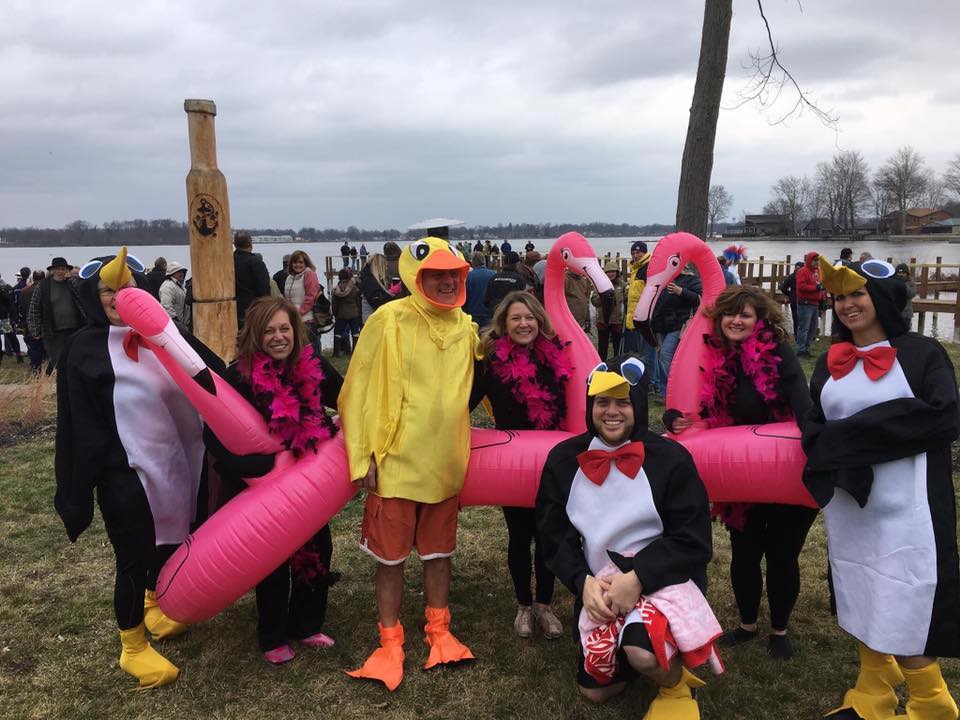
(777, 532)
(522, 530)
(129, 524)
(608, 335)
(295, 610)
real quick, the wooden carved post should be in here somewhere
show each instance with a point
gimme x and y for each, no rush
(208, 219)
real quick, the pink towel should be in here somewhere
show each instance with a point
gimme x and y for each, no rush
(677, 618)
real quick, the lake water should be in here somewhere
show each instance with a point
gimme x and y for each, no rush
(925, 251)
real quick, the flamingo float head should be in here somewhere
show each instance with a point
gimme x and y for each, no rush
(572, 251)
(670, 255)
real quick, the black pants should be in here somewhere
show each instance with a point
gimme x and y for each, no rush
(292, 613)
(608, 335)
(777, 532)
(521, 531)
(129, 525)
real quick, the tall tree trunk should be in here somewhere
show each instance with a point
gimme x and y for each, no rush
(697, 164)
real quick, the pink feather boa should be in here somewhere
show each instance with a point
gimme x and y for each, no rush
(290, 400)
(535, 374)
(760, 362)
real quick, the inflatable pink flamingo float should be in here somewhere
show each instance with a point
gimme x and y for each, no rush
(755, 463)
(253, 533)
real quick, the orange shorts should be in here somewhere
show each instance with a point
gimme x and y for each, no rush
(392, 527)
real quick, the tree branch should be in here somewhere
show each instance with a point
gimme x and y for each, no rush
(769, 80)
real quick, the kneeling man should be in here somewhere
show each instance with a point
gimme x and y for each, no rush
(624, 523)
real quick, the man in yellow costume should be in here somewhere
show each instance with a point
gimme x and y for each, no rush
(406, 423)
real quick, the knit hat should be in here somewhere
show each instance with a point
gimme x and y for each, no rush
(638, 246)
(344, 275)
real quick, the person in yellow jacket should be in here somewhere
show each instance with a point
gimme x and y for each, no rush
(406, 424)
(636, 281)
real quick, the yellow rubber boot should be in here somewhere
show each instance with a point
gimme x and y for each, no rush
(444, 646)
(873, 697)
(386, 662)
(676, 703)
(143, 662)
(929, 696)
(158, 624)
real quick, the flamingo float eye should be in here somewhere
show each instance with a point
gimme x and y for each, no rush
(565, 254)
(674, 261)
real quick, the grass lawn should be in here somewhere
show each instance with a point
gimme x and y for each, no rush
(59, 645)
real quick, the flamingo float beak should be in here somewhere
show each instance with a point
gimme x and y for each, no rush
(656, 284)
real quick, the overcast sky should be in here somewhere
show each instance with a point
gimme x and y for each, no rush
(379, 113)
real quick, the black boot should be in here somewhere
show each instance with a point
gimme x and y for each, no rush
(355, 338)
(336, 345)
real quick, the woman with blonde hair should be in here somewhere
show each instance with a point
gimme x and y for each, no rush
(280, 374)
(752, 377)
(523, 374)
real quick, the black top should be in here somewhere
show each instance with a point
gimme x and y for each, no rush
(508, 413)
(673, 310)
(252, 278)
(681, 553)
(840, 453)
(234, 468)
(746, 406)
(501, 285)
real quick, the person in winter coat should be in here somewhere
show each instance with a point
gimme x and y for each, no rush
(903, 272)
(302, 289)
(788, 286)
(669, 316)
(56, 311)
(277, 367)
(346, 312)
(251, 275)
(576, 289)
(610, 327)
(503, 283)
(478, 279)
(173, 294)
(810, 294)
(375, 286)
(523, 374)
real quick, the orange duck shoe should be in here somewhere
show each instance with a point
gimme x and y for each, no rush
(386, 662)
(444, 647)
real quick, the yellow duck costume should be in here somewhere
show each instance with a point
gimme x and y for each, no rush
(405, 403)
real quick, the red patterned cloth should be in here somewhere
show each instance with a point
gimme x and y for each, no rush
(677, 619)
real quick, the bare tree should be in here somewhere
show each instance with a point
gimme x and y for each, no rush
(697, 164)
(792, 196)
(951, 178)
(853, 185)
(719, 203)
(934, 193)
(881, 202)
(903, 177)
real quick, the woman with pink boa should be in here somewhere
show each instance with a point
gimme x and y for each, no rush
(279, 374)
(523, 375)
(752, 377)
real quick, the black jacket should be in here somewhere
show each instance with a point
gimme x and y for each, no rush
(673, 310)
(501, 285)
(252, 278)
(681, 553)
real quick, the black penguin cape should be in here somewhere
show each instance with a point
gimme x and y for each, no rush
(927, 422)
(683, 549)
(841, 453)
(85, 383)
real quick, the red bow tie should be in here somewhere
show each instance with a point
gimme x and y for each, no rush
(596, 463)
(842, 357)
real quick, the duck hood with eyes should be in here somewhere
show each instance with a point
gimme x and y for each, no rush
(432, 253)
(621, 376)
(115, 271)
(878, 278)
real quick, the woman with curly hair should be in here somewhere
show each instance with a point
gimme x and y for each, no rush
(278, 371)
(752, 377)
(523, 375)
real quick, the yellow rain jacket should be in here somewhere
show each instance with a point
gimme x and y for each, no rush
(406, 395)
(635, 287)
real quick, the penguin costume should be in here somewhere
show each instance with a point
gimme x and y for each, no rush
(126, 431)
(636, 502)
(878, 461)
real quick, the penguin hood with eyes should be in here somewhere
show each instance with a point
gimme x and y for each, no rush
(432, 253)
(116, 271)
(878, 278)
(621, 376)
